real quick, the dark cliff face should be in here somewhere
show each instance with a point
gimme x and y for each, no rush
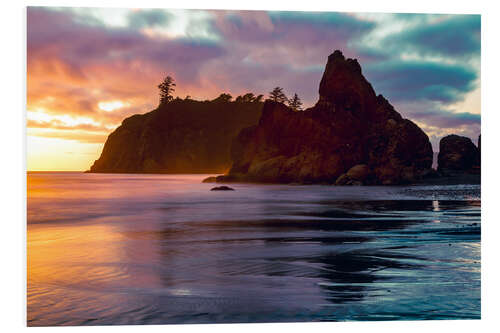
(349, 125)
(183, 136)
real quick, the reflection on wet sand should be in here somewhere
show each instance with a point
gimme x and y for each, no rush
(181, 254)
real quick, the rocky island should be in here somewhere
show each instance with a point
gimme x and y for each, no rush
(351, 136)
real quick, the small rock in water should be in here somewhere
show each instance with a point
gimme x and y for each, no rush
(222, 188)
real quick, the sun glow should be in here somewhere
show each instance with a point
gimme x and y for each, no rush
(46, 154)
(111, 105)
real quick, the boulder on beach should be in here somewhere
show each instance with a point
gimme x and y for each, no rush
(457, 154)
(350, 131)
(359, 174)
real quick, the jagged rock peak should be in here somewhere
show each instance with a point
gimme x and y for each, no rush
(344, 86)
(337, 54)
(338, 59)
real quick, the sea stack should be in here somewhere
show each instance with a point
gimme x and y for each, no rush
(350, 135)
(458, 154)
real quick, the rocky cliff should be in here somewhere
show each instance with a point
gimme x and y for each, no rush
(183, 136)
(349, 127)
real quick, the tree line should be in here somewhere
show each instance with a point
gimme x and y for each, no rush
(167, 88)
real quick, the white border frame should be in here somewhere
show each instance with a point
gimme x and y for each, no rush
(13, 186)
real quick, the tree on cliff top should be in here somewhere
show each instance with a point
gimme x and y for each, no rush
(295, 103)
(223, 98)
(277, 95)
(166, 90)
(249, 98)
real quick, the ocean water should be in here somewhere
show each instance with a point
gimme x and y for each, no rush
(108, 249)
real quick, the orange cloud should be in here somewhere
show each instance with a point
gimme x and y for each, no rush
(71, 135)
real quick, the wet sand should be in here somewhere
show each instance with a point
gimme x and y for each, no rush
(161, 249)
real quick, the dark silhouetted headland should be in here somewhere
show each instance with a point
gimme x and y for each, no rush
(182, 136)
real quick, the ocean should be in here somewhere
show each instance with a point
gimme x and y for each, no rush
(115, 249)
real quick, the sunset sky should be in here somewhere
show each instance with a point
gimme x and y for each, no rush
(90, 68)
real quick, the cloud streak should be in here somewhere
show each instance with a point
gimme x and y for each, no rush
(450, 36)
(421, 80)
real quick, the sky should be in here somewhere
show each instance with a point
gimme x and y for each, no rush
(89, 68)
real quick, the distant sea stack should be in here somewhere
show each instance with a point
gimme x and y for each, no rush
(182, 136)
(350, 137)
(458, 154)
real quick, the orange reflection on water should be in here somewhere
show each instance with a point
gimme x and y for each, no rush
(60, 254)
(42, 185)
(79, 270)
